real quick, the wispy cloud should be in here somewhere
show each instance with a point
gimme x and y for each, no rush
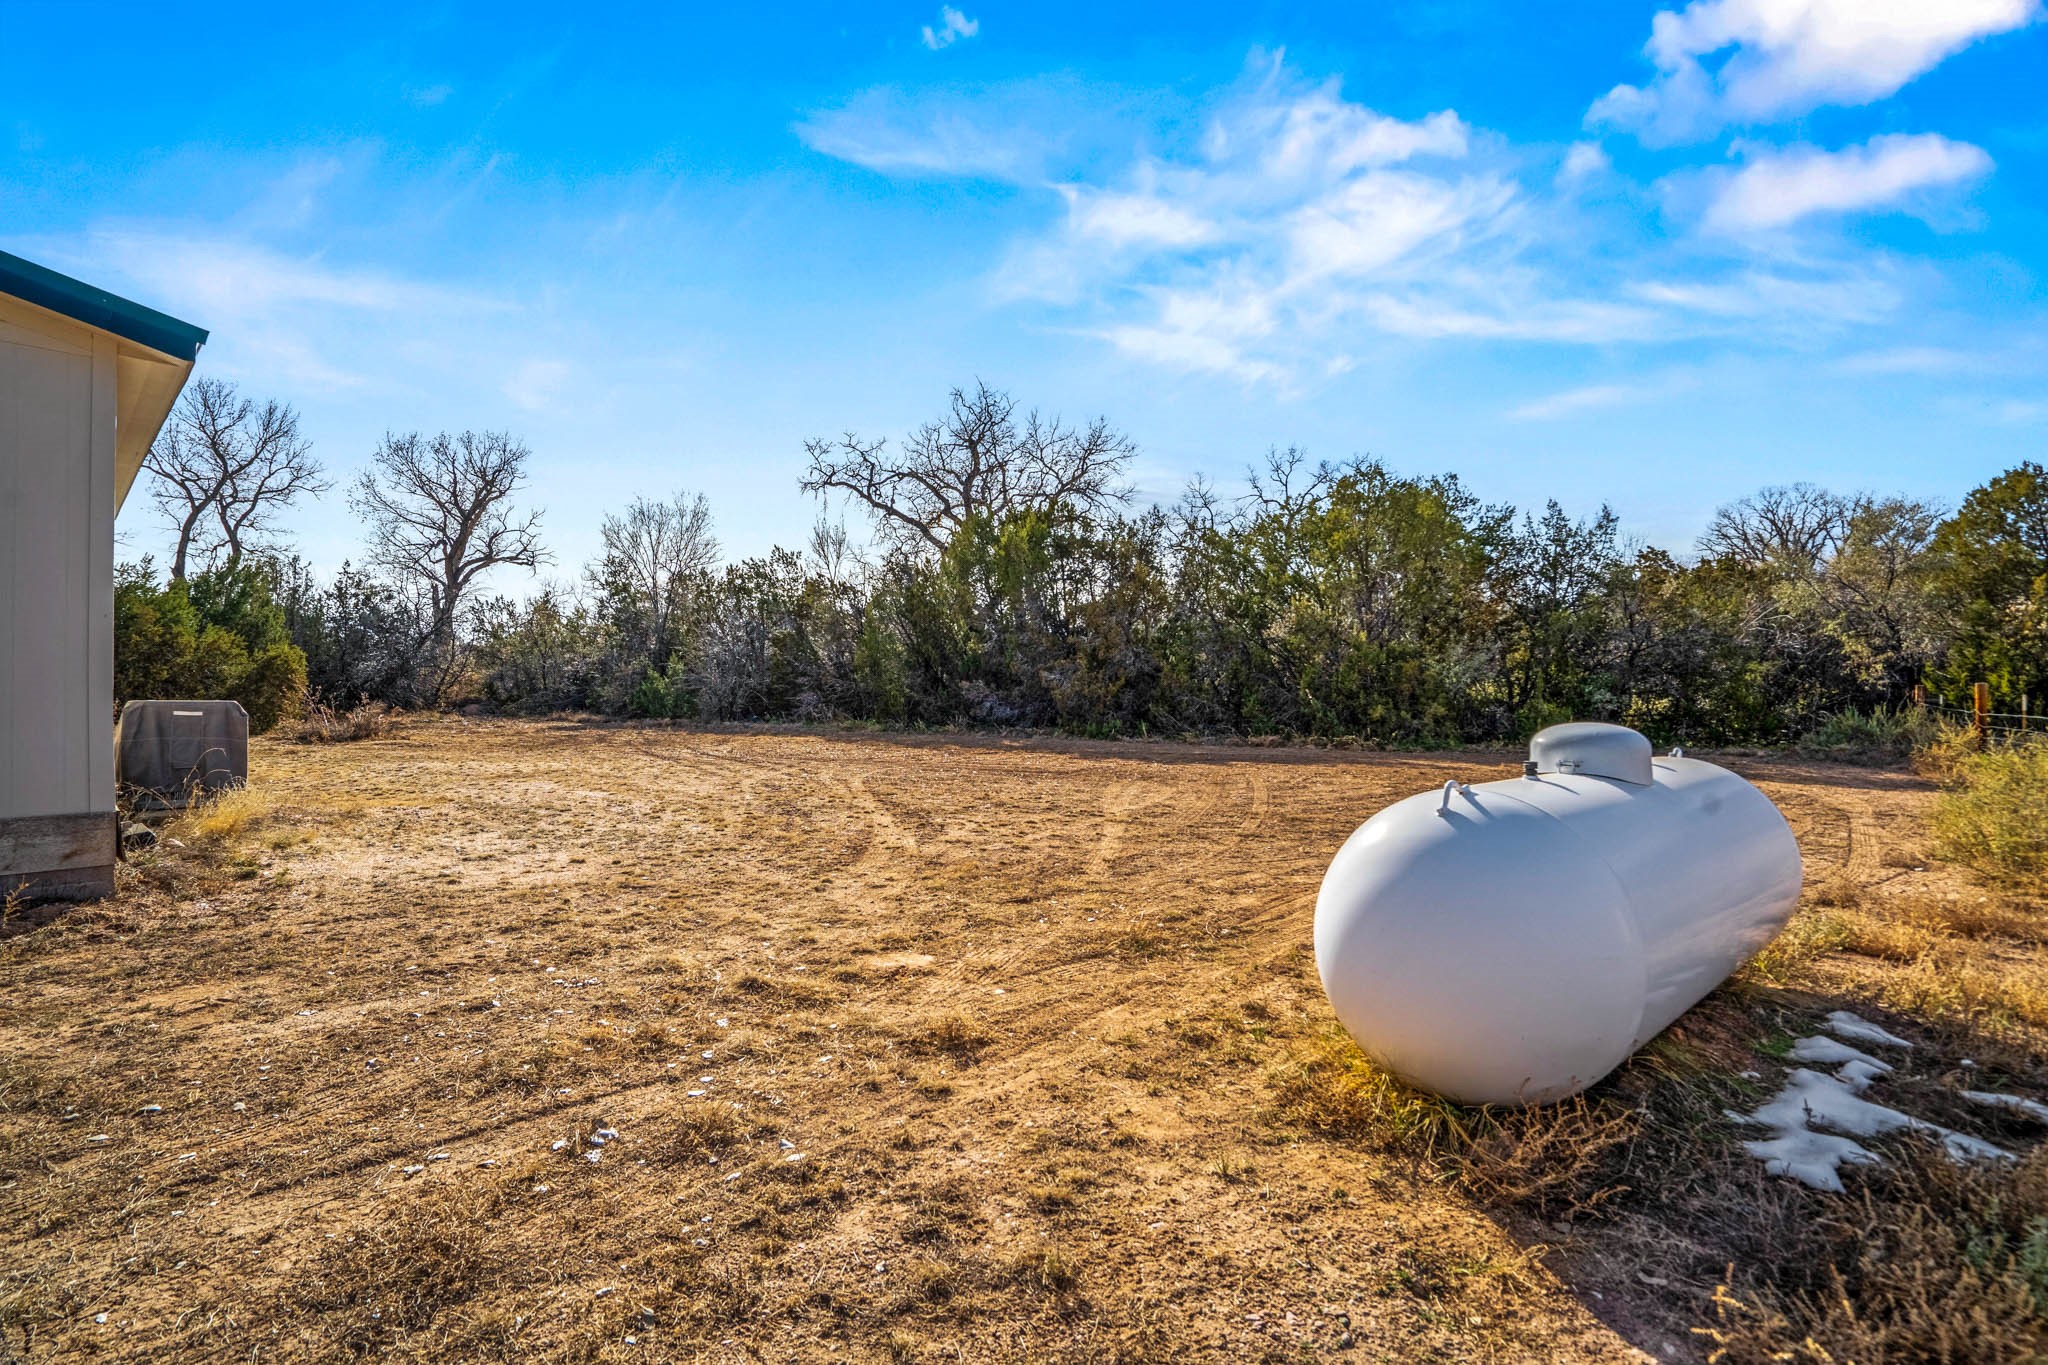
(953, 26)
(535, 383)
(217, 274)
(992, 134)
(1583, 161)
(1913, 360)
(1893, 172)
(278, 309)
(1789, 56)
(1573, 401)
(1292, 226)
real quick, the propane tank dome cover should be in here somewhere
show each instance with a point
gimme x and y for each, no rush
(1593, 749)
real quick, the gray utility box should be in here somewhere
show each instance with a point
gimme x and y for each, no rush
(173, 751)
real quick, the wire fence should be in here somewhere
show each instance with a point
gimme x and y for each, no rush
(1988, 723)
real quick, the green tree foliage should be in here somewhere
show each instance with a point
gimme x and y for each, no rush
(219, 634)
(1990, 580)
(1010, 583)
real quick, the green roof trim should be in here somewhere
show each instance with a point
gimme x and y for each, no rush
(75, 299)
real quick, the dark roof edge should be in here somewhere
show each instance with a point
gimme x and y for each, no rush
(97, 308)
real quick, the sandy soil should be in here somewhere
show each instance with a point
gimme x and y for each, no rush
(936, 1048)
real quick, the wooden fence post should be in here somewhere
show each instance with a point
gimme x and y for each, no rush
(1980, 706)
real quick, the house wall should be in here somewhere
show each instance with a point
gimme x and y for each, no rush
(58, 409)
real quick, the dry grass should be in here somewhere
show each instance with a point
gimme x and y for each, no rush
(1933, 1261)
(326, 725)
(999, 1051)
(220, 819)
(1994, 816)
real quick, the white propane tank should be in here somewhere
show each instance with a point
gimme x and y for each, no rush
(1512, 942)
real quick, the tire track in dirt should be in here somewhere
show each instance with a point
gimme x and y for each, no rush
(885, 835)
(1257, 806)
(1121, 804)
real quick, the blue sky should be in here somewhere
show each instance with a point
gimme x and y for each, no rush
(1600, 252)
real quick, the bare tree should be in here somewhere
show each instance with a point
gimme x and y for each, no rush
(655, 554)
(978, 461)
(224, 467)
(439, 511)
(1796, 528)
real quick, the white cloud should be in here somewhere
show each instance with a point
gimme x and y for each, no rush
(953, 26)
(534, 384)
(222, 276)
(1287, 233)
(1778, 188)
(1747, 298)
(1573, 401)
(1584, 161)
(1281, 222)
(1789, 56)
(1911, 360)
(993, 135)
(274, 311)
(2020, 411)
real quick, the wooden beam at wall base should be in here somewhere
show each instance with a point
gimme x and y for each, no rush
(59, 857)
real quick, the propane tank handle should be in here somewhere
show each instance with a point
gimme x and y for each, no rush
(1677, 751)
(1454, 785)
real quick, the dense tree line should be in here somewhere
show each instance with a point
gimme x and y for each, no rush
(1013, 583)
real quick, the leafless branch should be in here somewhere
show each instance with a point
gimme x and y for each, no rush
(978, 461)
(224, 468)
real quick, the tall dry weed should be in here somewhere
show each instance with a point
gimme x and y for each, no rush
(1993, 817)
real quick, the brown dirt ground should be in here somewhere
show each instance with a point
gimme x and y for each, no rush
(924, 1048)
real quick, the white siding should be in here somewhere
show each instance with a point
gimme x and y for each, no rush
(57, 406)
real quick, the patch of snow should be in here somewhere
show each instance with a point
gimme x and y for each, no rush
(1862, 1030)
(2020, 1104)
(1814, 1099)
(1828, 1052)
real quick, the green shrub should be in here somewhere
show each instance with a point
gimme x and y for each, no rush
(168, 642)
(652, 697)
(1876, 735)
(272, 688)
(1994, 815)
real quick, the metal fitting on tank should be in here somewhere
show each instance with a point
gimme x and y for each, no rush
(1529, 768)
